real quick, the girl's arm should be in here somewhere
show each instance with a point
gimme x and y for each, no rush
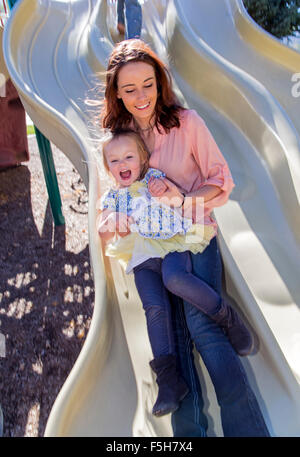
(104, 226)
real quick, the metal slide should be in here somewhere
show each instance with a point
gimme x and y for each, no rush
(239, 80)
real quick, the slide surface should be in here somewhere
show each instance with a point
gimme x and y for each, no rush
(239, 80)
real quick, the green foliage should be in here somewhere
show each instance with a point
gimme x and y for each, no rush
(278, 17)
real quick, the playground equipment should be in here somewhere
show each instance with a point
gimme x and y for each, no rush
(13, 136)
(54, 51)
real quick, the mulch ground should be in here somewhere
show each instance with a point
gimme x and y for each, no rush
(46, 290)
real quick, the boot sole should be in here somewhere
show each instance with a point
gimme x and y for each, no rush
(171, 410)
(248, 351)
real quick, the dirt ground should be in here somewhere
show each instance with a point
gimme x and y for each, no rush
(46, 290)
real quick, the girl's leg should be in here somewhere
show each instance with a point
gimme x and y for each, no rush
(156, 304)
(178, 278)
(240, 412)
(154, 296)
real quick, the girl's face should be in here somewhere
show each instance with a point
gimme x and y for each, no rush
(123, 160)
(137, 88)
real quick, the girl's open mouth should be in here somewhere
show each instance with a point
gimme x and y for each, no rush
(125, 174)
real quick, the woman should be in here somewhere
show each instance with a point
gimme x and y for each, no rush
(138, 94)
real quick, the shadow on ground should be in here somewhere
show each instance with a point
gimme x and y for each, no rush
(46, 292)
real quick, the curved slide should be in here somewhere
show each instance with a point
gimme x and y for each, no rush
(239, 79)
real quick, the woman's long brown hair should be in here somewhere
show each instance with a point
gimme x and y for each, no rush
(114, 115)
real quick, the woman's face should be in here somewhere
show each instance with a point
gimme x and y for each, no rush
(138, 89)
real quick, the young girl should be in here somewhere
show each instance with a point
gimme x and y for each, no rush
(158, 252)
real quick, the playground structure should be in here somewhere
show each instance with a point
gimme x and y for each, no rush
(240, 80)
(13, 137)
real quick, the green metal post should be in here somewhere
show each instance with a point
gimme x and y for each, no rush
(50, 177)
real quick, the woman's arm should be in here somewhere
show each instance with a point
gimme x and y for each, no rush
(193, 204)
(207, 192)
(176, 197)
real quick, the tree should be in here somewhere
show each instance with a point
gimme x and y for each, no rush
(278, 17)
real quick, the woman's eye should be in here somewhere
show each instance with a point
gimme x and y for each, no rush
(130, 91)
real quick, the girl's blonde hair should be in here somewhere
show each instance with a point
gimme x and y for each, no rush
(141, 146)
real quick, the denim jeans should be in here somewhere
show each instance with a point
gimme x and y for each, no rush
(178, 278)
(174, 329)
(157, 305)
(240, 412)
(133, 15)
(153, 279)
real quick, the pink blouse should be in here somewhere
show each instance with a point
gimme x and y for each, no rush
(190, 157)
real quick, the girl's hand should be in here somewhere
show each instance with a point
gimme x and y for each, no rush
(172, 195)
(123, 222)
(112, 222)
(156, 187)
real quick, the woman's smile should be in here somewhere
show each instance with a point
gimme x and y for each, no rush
(145, 106)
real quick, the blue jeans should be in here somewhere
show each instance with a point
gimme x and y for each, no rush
(157, 305)
(133, 15)
(240, 412)
(153, 279)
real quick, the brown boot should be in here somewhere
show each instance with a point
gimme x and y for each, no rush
(235, 329)
(171, 386)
